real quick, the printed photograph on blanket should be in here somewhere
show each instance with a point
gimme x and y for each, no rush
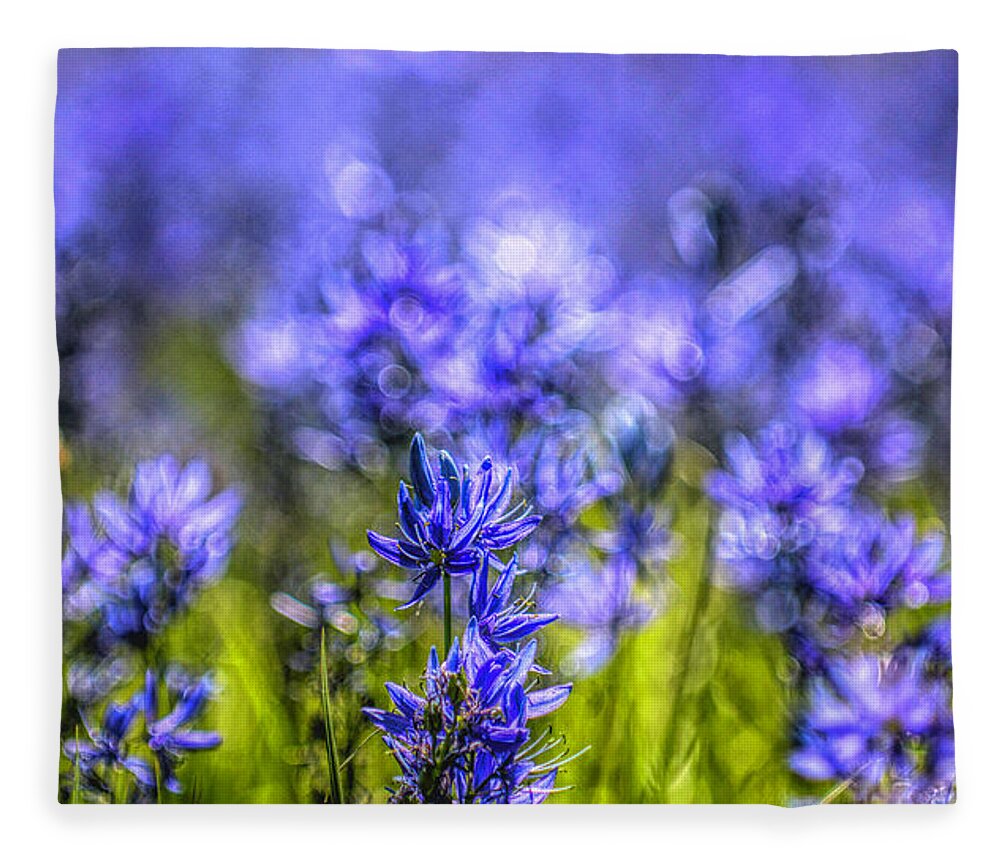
(504, 428)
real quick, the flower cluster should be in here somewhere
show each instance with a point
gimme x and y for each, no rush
(881, 725)
(147, 557)
(111, 750)
(129, 569)
(467, 739)
(826, 569)
(450, 520)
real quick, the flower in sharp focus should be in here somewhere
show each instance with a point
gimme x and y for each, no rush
(169, 737)
(501, 623)
(466, 739)
(450, 519)
(867, 720)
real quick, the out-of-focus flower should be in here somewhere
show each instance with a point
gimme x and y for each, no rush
(867, 721)
(643, 443)
(838, 386)
(106, 750)
(155, 550)
(325, 598)
(876, 564)
(777, 495)
(169, 738)
(656, 350)
(639, 534)
(603, 602)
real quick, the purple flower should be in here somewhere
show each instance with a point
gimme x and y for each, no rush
(153, 552)
(450, 519)
(839, 386)
(602, 601)
(466, 739)
(106, 751)
(501, 623)
(877, 564)
(777, 495)
(867, 720)
(169, 737)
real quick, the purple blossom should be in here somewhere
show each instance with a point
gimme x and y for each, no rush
(169, 737)
(777, 495)
(603, 602)
(866, 721)
(467, 739)
(876, 564)
(450, 519)
(153, 552)
(106, 749)
(501, 623)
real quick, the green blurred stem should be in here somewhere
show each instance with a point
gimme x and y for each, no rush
(156, 772)
(119, 783)
(702, 592)
(447, 614)
(75, 798)
(333, 765)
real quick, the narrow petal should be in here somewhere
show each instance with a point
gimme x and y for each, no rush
(449, 470)
(519, 626)
(420, 471)
(542, 702)
(141, 770)
(389, 549)
(478, 591)
(469, 530)
(394, 724)
(410, 524)
(507, 534)
(441, 515)
(196, 740)
(406, 702)
(427, 582)
(501, 589)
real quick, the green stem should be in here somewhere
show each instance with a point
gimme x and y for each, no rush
(156, 772)
(75, 797)
(119, 782)
(447, 614)
(701, 596)
(333, 765)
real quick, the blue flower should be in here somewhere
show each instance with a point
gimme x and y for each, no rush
(153, 552)
(168, 737)
(449, 520)
(106, 749)
(867, 720)
(877, 564)
(501, 623)
(603, 602)
(777, 495)
(466, 739)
